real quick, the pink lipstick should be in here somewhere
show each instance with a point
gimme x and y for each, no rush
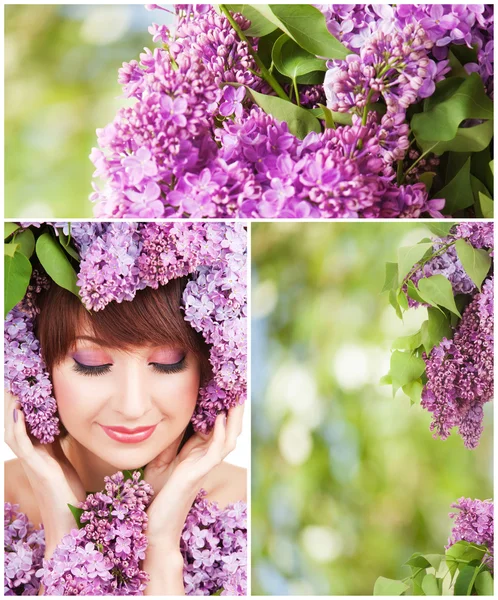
(129, 436)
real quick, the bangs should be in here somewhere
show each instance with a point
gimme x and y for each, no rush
(152, 318)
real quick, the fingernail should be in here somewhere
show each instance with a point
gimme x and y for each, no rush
(224, 418)
(15, 415)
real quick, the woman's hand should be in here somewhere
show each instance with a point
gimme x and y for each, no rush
(54, 481)
(177, 483)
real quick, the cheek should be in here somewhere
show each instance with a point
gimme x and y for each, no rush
(177, 395)
(78, 398)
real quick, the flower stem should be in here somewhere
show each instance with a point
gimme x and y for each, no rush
(265, 74)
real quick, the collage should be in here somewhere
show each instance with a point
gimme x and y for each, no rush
(248, 300)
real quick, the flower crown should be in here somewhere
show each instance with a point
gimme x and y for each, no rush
(115, 261)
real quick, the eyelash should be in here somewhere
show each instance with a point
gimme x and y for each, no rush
(95, 371)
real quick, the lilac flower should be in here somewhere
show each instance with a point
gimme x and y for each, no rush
(140, 165)
(460, 372)
(233, 99)
(474, 524)
(174, 110)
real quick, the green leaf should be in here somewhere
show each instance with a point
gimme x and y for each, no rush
(389, 587)
(437, 291)
(218, 592)
(393, 300)
(457, 69)
(467, 139)
(435, 329)
(328, 116)
(441, 229)
(265, 46)
(386, 380)
(417, 578)
(465, 581)
(427, 178)
(414, 391)
(77, 512)
(56, 264)
(430, 585)
(65, 243)
(9, 228)
(260, 24)
(441, 122)
(434, 560)
(405, 368)
(458, 192)
(292, 60)
(17, 274)
(412, 292)
(463, 551)
(408, 342)
(475, 261)
(26, 241)
(492, 166)
(402, 300)
(339, 117)
(10, 249)
(391, 282)
(408, 256)
(484, 584)
(299, 120)
(306, 25)
(480, 167)
(456, 160)
(486, 205)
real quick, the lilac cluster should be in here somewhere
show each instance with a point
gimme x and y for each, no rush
(460, 372)
(131, 256)
(214, 547)
(24, 547)
(474, 523)
(194, 147)
(25, 372)
(167, 134)
(117, 260)
(478, 234)
(103, 557)
(392, 65)
(445, 24)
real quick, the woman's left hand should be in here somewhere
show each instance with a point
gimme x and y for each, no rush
(180, 480)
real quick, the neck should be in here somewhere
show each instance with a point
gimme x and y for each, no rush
(92, 469)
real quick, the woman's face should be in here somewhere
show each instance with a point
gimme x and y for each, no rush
(126, 407)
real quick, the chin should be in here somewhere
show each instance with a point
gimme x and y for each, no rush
(128, 458)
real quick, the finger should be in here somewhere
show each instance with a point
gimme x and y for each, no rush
(218, 438)
(23, 445)
(234, 427)
(10, 404)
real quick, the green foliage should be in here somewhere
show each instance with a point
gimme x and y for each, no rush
(408, 256)
(17, 274)
(299, 120)
(292, 60)
(56, 264)
(389, 587)
(437, 291)
(468, 100)
(77, 512)
(475, 261)
(484, 585)
(9, 229)
(405, 368)
(26, 242)
(435, 329)
(306, 25)
(258, 15)
(458, 192)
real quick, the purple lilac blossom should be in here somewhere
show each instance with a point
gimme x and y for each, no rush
(213, 545)
(117, 260)
(103, 557)
(226, 159)
(24, 547)
(474, 523)
(460, 372)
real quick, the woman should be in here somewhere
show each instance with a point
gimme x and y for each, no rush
(126, 380)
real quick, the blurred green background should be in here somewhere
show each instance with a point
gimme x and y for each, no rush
(347, 482)
(61, 69)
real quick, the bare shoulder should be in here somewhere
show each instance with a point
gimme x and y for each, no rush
(17, 490)
(226, 484)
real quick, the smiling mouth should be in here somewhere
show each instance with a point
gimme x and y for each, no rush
(129, 436)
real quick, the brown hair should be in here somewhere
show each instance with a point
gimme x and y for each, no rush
(152, 318)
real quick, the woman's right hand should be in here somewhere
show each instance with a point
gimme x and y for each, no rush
(53, 479)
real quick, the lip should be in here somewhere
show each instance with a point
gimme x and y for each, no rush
(129, 436)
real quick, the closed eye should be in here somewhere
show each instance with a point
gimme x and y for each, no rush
(92, 370)
(169, 368)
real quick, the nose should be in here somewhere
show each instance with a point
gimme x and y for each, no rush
(131, 398)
